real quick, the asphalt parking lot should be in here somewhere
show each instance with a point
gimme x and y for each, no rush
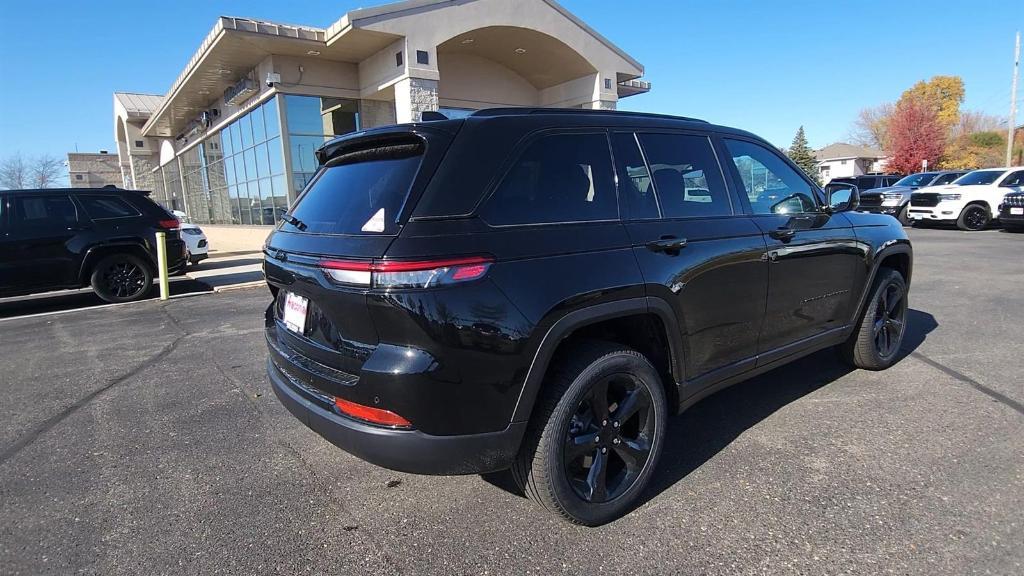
(144, 439)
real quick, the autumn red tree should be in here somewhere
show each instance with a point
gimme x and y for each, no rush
(915, 134)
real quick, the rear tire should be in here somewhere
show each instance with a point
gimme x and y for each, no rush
(875, 342)
(121, 278)
(586, 465)
(973, 217)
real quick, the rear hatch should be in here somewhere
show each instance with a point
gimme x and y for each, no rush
(349, 213)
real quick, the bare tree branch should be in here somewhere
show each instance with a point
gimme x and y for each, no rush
(17, 172)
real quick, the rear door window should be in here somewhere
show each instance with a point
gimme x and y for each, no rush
(359, 192)
(686, 174)
(43, 213)
(635, 186)
(558, 178)
(105, 207)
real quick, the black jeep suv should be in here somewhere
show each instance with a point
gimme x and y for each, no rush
(56, 239)
(540, 289)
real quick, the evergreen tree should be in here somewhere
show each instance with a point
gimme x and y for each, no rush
(802, 155)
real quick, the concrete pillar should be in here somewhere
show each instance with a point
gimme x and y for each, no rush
(602, 105)
(413, 96)
(373, 113)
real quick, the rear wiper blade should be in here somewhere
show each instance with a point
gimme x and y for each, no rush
(294, 221)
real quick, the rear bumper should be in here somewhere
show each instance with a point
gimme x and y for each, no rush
(402, 450)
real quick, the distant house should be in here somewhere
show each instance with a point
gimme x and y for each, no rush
(842, 159)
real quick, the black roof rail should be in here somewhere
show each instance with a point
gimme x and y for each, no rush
(491, 112)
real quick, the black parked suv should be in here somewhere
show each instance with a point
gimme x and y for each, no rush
(540, 289)
(56, 239)
(865, 182)
(1011, 212)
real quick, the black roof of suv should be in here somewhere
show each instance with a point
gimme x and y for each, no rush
(60, 238)
(539, 289)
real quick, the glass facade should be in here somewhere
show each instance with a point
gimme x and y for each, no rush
(237, 174)
(311, 121)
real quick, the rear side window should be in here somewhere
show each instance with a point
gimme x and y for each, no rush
(103, 207)
(686, 175)
(359, 192)
(944, 179)
(558, 178)
(33, 213)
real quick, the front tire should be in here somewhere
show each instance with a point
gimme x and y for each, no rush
(121, 278)
(902, 216)
(596, 434)
(973, 218)
(875, 342)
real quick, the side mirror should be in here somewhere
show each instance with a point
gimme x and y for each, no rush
(843, 197)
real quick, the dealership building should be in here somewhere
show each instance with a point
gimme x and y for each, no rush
(233, 140)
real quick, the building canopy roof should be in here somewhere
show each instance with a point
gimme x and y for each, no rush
(842, 150)
(236, 45)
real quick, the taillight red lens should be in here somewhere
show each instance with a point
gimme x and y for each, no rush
(169, 224)
(406, 273)
(370, 414)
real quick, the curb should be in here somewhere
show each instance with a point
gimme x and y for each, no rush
(241, 286)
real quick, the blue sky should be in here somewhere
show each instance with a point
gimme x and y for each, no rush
(767, 67)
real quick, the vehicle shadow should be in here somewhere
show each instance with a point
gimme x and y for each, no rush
(84, 298)
(704, 430)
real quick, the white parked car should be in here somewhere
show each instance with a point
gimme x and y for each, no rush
(971, 201)
(195, 242)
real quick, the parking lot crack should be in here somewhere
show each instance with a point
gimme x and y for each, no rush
(56, 419)
(997, 396)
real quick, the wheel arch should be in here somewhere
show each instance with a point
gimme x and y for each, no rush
(897, 255)
(97, 253)
(635, 317)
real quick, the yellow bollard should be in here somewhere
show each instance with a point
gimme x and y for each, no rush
(161, 262)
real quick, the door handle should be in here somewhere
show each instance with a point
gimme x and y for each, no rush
(784, 234)
(667, 244)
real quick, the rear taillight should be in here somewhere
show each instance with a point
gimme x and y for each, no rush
(406, 273)
(371, 414)
(168, 224)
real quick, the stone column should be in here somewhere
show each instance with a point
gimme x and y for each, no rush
(602, 105)
(413, 96)
(373, 113)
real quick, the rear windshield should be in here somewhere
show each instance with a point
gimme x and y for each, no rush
(359, 192)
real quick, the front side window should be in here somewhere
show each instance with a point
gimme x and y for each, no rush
(769, 183)
(1015, 179)
(686, 174)
(36, 213)
(102, 207)
(558, 178)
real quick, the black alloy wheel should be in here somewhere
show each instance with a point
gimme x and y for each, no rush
(608, 441)
(121, 278)
(124, 279)
(890, 319)
(875, 341)
(595, 434)
(973, 218)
